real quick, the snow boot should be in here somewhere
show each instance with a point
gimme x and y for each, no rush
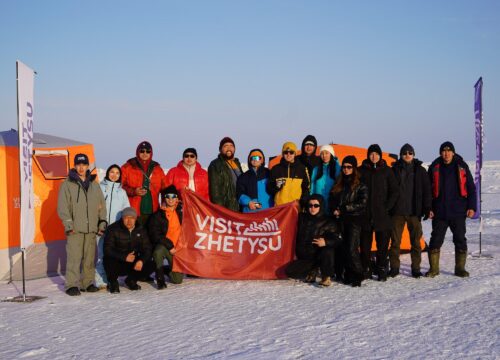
(132, 284)
(434, 263)
(356, 280)
(326, 281)
(91, 289)
(114, 287)
(311, 276)
(394, 272)
(460, 259)
(416, 274)
(160, 279)
(73, 291)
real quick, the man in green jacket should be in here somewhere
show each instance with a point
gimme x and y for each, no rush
(82, 209)
(222, 175)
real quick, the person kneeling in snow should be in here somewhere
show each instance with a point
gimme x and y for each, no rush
(127, 251)
(317, 237)
(164, 229)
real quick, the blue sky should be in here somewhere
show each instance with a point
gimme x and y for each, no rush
(187, 73)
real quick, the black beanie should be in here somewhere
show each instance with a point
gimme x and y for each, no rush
(447, 144)
(374, 148)
(169, 190)
(309, 138)
(190, 151)
(350, 159)
(406, 147)
(225, 140)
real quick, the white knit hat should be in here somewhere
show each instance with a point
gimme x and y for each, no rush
(328, 148)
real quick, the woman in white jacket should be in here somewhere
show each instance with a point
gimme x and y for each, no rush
(116, 200)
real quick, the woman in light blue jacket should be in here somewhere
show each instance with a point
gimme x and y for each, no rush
(116, 200)
(324, 175)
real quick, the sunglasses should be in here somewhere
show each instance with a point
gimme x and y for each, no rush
(408, 153)
(288, 152)
(347, 167)
(191, 156)
(256, 158)
(170, 196)
(314, 206)
(145, 151)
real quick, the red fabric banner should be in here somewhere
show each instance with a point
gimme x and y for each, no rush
(219, 243)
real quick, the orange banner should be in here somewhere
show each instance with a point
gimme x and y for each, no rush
(218, 243)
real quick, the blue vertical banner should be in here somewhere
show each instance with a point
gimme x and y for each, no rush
(478, 115)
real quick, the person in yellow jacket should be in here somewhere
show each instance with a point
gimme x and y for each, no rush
(289, 179)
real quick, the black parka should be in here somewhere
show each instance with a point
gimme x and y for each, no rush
(350, 203)
(158, 228)
(119, 242)
(383, 193)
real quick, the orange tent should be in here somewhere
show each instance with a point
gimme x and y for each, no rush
(52, 159)
(342, 151)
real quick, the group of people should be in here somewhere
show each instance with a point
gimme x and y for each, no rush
(136, 211)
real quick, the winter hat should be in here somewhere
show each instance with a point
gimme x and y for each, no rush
(169, 190)
(129, 211)
(309, 140)
(111, 168)
(256, 152)
(144, 145)
(225, 140)
(289, 146)
(350, 159)
(328, 148)
(81, 159)
(190, 151)
(447, 145)
(374, 148)
(405, 148)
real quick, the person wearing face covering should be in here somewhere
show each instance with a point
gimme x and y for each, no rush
(116, 200)
(251, 187)
(143, 179)
(223, 173)
(317, 237)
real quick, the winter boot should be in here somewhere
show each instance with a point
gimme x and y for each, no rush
(416, 274)
(434, 263)
(460, 259)
(114, 287)
(356, 280)
(160, 279)
(311, 276)
(382, 275)
(325, 281)
(132, 284)
(394, 272)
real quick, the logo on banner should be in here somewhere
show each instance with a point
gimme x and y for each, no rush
(221, 235)
(27, 148)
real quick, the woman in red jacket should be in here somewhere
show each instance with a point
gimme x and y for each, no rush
(143, 179)
(189, 174)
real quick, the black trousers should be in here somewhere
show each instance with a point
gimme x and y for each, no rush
(458, 229)
(115, 268)
(348, 259)
(323, 257)
(382, 239)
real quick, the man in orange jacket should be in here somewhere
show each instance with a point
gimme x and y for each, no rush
(143, 179)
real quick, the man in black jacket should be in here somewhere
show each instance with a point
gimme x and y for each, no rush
(453, 200)
(164, 229)
(414, 202)
(383, 193)
(127, 251)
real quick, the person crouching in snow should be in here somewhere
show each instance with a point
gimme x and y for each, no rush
(251, 187)
(317, 237)
(127, 251)
(164, 231)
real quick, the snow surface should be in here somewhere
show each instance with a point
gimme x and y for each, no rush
(442, 318)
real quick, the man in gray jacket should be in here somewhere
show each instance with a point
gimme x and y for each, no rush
(82, 209)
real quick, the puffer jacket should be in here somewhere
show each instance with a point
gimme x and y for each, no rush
(119, 242)
(158, 228)
(383, 192)
(179, 177)
(116, 199)
(222, 188)
(133, 177)
(296, 182)
(81, 205)
(323, 185)
(350, 203)
(313, 227)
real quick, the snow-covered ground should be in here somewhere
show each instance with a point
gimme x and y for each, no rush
(442, 318)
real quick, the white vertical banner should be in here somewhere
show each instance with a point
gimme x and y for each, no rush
(25, 111)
